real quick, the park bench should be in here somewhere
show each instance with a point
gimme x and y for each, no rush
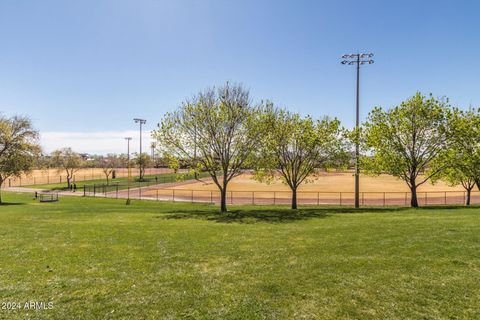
(49, 197)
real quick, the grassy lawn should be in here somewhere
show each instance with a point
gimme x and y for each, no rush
(100, 259)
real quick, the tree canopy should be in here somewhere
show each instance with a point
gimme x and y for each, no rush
(216, 131)
(19, 147)
(296, 149)
(461, 162)
(406, 140)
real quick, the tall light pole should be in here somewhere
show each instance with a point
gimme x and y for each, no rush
(142, 122)
(128, 149)
(128, 167)
(153, 145)
(357, 59)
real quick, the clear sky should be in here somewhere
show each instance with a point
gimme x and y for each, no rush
(82, 70)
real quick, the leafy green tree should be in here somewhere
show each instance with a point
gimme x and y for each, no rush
(406, 140)
(217, 132)
(67, 160)
(19, 147)
(462, 161)
(295, 149)
(108, 165)
(142, 161)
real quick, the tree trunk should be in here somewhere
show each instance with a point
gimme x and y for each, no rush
(68, 182)
(478, 184)
(414, 200)
(294, 198)
(223, 200)
(107, 178)
(467, 199)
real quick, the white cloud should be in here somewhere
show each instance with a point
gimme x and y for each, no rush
(100, 142)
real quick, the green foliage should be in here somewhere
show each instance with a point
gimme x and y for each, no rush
(217, 131)
(295, 149)
(462, 160)
(68, 160)
(406, 141)
(19, 147)
(142, 160)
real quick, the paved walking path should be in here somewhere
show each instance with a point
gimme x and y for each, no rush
(78, 193)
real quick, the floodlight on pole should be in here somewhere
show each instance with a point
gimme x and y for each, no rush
(142, 122)
(128, 148)
(153, 145)
(357, 59)
(128, 166)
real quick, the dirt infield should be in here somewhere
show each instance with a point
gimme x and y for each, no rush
(330, 189)
(53, 175)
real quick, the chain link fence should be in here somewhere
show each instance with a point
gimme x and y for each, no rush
(154, 192)
(83, 175)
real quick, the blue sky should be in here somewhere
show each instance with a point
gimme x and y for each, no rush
(82, 70)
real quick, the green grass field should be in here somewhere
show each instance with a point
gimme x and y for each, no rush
(99, 259)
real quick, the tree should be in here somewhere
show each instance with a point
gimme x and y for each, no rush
(68, 160)
(297, 148)
(142, 161)
(217, 131)
(462, 160)
(406, 140)
(19, 147)
(108, 164)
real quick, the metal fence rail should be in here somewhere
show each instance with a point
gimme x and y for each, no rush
(154, 192)
(60, 178)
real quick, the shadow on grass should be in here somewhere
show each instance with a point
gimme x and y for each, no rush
(270, 215)
(5, 204)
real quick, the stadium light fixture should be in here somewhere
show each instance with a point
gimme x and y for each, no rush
(357, 59)
(142, 122)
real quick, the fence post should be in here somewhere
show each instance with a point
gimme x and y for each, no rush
(157, 194)
(445, 198)
(340, 198)
(192, 196)
(384, 199)
(94, 190)
(84, 190)
(117, 191)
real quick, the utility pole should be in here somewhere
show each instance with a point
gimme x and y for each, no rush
(153, 145)
(128, 167)
(357, 59)
(128, 149)
(142, 122)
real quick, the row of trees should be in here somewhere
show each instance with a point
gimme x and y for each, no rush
(70, 162)
(20, 152)
(222, 132)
